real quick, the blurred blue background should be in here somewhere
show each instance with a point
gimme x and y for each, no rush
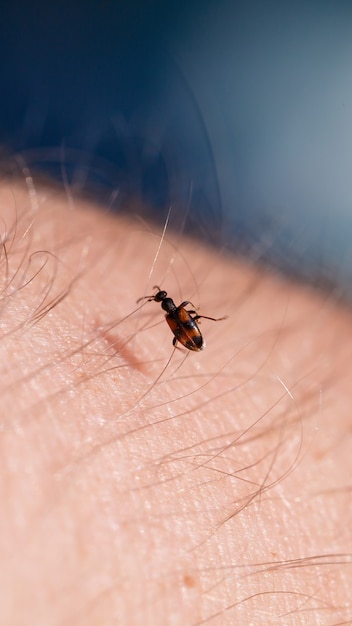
(239, 114)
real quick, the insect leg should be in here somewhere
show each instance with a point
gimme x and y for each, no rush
(184, 304)
(205, 317)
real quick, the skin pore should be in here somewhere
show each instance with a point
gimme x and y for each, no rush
(142, 485)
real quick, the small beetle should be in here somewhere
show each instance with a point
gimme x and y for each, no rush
(183, 323)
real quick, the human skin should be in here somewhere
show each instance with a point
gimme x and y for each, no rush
(142, 485)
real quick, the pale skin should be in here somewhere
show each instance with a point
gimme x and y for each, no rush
(141, 485)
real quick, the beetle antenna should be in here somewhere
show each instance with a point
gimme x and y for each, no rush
(149, 298)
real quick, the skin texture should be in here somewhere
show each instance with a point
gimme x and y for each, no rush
(143, 485)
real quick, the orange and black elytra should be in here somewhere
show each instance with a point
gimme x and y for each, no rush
(182, 323)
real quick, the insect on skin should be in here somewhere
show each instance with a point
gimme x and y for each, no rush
(182, 323)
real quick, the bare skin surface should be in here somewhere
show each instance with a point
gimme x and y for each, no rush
(142, 485)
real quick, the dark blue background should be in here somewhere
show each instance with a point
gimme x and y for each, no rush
(237, 114)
